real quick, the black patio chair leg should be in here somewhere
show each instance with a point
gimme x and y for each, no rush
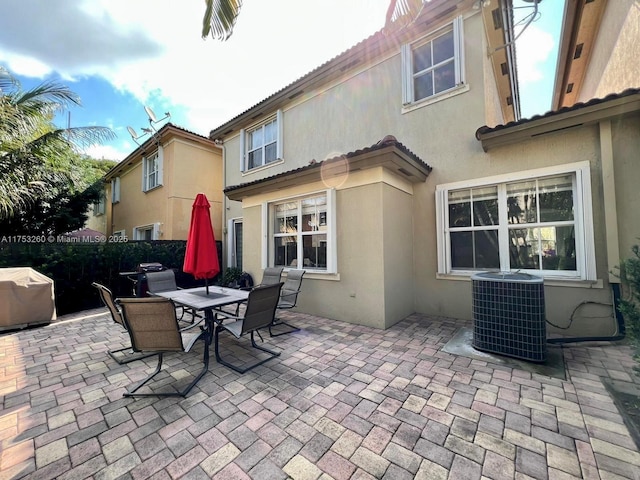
(276, 323)
(185, 391)
(131, 391)
(235, 367)
(127, 358)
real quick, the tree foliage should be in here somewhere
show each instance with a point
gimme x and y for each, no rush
(629, 305)
(63, 205)
(35, 155)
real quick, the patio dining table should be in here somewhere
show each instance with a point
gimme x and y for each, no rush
(198, 299)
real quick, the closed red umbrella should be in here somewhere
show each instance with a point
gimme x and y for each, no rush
(201, 257)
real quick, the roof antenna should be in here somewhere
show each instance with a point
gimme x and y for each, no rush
(151, 129)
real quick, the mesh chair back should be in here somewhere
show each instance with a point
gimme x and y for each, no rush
(107, 299)
(290, 289)
(163, 281)
(261, 307)
(271, 275)
(152, 324)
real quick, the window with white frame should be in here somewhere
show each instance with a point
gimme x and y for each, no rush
(433, 65)
(152, 170)
(147, 232)
(115, 190)
(538, 222)
(99, 207)
(261, 144)
(302, 232)
(235, 236)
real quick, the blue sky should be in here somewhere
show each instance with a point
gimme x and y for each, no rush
(119, 55)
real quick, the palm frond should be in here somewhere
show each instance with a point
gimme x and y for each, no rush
(219, 18)
(7, 81)
(402, 12)
(35, 156)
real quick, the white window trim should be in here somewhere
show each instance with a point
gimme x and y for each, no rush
(115, 190)
(585, 244)
(231, 240)
(99, 208)
(279, 146)
(154, 227)
(408, 101)
(145, 174)
(332, 237)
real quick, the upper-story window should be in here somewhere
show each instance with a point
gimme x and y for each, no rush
(433, 65)
(98, 207)
(115, 190)
(261, 144)
(152, 170)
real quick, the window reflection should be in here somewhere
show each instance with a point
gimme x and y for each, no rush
(300, 233)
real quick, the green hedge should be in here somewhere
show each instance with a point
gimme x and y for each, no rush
(74, 266)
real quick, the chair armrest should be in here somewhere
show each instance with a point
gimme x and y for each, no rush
(226, 315)
(292, 294)
(192, 325)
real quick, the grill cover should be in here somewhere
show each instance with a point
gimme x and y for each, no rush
(26, 298)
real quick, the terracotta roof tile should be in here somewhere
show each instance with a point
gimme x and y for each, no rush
(595, 101)
(387, 141)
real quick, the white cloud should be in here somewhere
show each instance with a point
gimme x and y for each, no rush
(106, 152)
(153, 49)
(533, 49)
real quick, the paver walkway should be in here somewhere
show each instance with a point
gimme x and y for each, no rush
(342, 401)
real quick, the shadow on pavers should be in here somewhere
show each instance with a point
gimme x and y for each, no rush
(462, 344)
(626, 396)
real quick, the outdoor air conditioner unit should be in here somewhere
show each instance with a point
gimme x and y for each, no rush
(509, 315)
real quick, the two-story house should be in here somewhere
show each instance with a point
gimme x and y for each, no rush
(372, 173)
(150, 193)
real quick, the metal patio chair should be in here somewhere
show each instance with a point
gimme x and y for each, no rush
(270, 276)
(165, 281)
(116, 315)
(152, 324)
(288, 300)
(259, 313)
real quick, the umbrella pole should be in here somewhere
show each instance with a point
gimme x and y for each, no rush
(206, 284)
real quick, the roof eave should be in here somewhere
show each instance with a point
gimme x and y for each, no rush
(561, 120)
(368, 49)
(580, 26)
(389, 157)
(167, 130)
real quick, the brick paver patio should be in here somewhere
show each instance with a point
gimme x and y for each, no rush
(342, 402)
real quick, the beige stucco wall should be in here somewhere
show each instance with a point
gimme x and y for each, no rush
(363, 108)
(373, 284)
(137, 208)
(493, 111)
(626, 141)
(188, 169)
(614, 64)
(359, 110)
(192, 169)
(367, 106)
(97, 222)
(588, 303)
(398, 253)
